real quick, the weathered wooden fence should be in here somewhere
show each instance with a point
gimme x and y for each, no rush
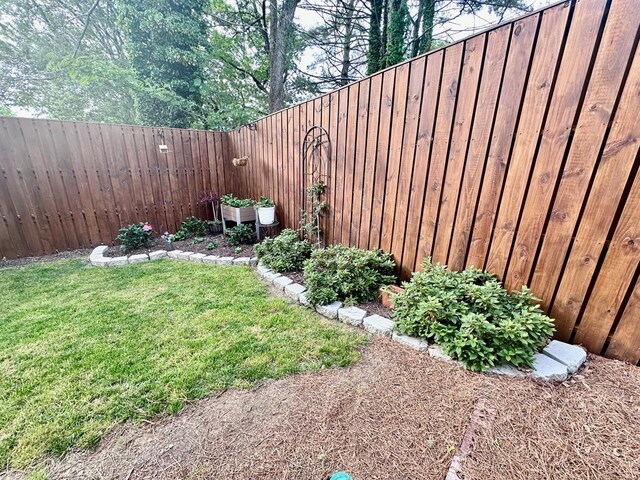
(515, 150)
(66, 185)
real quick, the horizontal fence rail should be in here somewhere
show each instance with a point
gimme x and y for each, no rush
(68, 185)
(515, 150)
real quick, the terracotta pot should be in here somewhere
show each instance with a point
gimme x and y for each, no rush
(387, 293)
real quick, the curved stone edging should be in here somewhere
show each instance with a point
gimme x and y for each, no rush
(97, 258)
(556, 362)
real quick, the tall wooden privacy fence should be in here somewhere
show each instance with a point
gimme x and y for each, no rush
(66, 185)
(515, 150)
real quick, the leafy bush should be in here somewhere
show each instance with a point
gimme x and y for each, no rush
(137, 235)
(264, 202)
(191, 227)
(472, 317)
(346, 273)
(231, 200)
(241, 233)
(212, 245)
(284, 253)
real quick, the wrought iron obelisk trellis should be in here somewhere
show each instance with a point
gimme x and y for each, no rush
(316, 173)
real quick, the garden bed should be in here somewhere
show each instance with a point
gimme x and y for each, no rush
(222, 249)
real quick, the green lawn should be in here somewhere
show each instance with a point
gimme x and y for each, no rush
(83, 348)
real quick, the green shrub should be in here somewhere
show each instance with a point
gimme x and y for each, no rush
(191, 227)
(472, 317)
(264, 202)
(346, 273)
(137, 235)
(212, 245)
(241, 233)
(284, 253)
(231, 200)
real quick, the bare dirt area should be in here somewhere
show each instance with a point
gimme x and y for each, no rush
(19, 262)
(396, 414)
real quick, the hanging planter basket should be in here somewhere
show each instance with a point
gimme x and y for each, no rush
(240, 162)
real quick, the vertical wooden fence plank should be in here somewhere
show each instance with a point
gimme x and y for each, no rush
(492, 71)
(458, 145)
(574, 71)
(446, 108)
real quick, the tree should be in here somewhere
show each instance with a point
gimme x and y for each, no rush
(58, 60)
(398, 28)
(377, 47)
(167, 44)
(280, 35)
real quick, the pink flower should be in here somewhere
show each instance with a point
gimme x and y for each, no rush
(147, 228)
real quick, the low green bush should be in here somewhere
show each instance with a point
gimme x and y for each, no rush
(137, 235)
(284, 253)
(241, 233)
(346, 273)
(191, 227)
(231, 200)
(472, 317)
(264, 202)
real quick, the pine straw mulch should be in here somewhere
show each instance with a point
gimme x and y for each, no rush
(396, 414)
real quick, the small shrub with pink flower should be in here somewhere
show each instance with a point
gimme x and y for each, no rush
(137, 235)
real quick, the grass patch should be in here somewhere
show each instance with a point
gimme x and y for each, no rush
(82, 348)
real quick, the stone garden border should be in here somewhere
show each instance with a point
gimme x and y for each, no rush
(97, 258)
(556, 362)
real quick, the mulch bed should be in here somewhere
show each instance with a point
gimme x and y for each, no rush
(19, 262)
(396, 414)
(223, 248)
(374, 307)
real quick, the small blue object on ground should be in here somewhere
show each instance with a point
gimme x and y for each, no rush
(341, 476)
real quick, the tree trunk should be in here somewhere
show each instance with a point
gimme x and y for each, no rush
(428, 15)
(346, 51)
(280, 29)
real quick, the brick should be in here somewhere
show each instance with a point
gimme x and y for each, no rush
(225, 261)
(253, 261)
(413, 342)
(303, 300)
(547, 369)
(263, 269)
(271, 276)
(142, 257)
(378, 325)
(241, 261)
(117, 261)
(174, 253)
(212, 259)
(329, 311)
(157, 255)
(435, 351)
(185, 255)
(197, 257)
(571, 356)
(293, 291)
(352, 315)
(281, 282)
(506, 370)
(99, 251)
(100, 261)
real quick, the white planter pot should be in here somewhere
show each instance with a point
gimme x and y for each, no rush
(267, 215)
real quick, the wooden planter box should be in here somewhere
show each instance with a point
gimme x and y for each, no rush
(239, 215)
